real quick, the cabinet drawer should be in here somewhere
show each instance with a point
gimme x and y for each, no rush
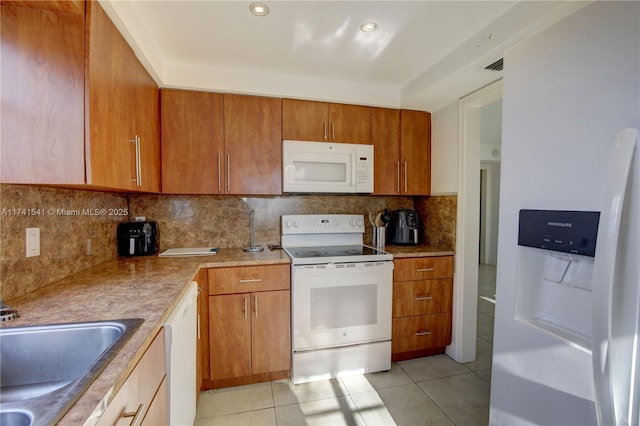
(140, 388)
(421, 332)
(421, 297)
(246, 279)
(423, 268)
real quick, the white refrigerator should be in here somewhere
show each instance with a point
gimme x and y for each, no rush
(566, 323)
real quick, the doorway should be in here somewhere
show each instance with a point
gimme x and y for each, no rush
(465, 327)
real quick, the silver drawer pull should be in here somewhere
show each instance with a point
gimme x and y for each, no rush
(422, 333)
(424, 298)
(251, 280)
(426, 269)
(137, 415)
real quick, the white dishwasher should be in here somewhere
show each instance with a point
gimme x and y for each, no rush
(180, 332)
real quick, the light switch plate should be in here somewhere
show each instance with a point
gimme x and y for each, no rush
(33, 242)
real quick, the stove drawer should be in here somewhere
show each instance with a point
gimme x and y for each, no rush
(422, 297)
(423, 268)
(246, 279)
(421, 332)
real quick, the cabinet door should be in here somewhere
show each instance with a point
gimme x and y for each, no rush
(422, 297)
(109, 120)
(270, 331)
(385, 137)
(415, 152)
(42, 96)
(192, 142)
(146, 98)
(350, 123)
(158, 413)
(305, 120)
(420, 332)
(246, 279)
(423, 268)
(253, 145)
(230, 336)
(143, 385)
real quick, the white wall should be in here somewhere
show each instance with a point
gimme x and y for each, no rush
(444, 150)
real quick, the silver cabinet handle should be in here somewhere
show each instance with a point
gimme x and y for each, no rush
(251, 280)
(324, 129)
(425, 269)
(255, 299)
(244, 312)
(333, 131)
(137, 415)
(424, 298)
(219, 175)
(138, 178)
(422, 333)
(398, 169)
(405, 177)
(228, 172)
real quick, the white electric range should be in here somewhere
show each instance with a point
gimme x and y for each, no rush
(341, 294)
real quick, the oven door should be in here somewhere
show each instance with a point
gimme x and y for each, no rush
(341, 304)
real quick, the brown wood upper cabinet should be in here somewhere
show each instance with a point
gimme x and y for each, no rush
(77, 106)
(402, 144)
(321, 121)
(42, 96)
(192, 142)
(253, 145)
(220, 144)
(122, 111)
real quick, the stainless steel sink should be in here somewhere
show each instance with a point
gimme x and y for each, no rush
(44, 369)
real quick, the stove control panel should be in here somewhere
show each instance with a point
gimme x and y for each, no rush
(320, 224)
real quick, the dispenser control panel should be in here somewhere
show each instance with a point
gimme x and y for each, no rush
(559, 230)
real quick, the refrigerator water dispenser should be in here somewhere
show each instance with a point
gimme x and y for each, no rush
(554, 270)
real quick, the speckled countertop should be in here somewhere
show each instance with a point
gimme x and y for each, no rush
(141, 287)
(417, 251)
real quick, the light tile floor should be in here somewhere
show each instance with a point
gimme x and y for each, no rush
(426, 391)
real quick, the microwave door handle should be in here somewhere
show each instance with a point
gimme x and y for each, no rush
(354, 168)
(132, 243)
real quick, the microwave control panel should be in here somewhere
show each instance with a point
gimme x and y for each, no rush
(364, 168)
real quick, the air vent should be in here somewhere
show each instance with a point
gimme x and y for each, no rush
(496, 66)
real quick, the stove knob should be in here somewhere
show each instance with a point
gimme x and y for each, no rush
(352, 223)
(296, 223)
(359, 222)
(288, 224)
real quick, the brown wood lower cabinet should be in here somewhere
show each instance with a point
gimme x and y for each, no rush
(144, 394)
(420, 332)
(422, 304)
(249, 325)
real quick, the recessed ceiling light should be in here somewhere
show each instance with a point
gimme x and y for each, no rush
(259, 9)
(369, 27)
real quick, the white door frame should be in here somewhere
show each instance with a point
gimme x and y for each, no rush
(465, 288)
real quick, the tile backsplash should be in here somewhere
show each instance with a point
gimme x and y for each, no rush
(438, 215)
(77, 231)
(223, 221)
(78, 227)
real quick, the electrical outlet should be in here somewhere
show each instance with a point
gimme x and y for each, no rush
(33, 242)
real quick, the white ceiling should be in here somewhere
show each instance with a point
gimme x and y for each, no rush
(424, 55)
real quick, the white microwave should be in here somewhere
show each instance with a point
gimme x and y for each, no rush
(310, 167)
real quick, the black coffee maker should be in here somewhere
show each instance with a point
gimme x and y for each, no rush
(404, 228)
